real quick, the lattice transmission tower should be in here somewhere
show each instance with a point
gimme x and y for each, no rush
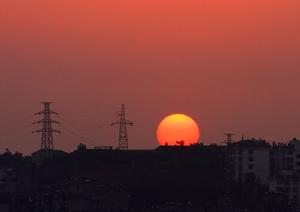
(46, 130)
(122, 122)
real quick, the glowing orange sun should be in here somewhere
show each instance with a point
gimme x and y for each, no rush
(178, 129)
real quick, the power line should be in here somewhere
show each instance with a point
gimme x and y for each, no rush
(82, 138)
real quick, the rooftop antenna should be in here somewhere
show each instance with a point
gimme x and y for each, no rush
(123, 138)
(243, 137)
(46, 130)
(229, 137)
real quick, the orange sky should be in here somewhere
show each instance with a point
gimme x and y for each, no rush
(232, 65)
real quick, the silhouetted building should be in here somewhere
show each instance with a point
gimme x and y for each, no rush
(285, 169)
(248, 157)
(168, 178)
(47, 154)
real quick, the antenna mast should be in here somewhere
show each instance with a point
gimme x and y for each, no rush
(46, 130)
(123, 138)
(229, 137)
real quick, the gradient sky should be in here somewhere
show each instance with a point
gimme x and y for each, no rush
(232, 65)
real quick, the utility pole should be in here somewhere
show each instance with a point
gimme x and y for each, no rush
(123, 138)
(46, 130)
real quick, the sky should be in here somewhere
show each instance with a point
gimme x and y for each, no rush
(232, 65)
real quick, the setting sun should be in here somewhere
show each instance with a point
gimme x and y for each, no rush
(178, 129)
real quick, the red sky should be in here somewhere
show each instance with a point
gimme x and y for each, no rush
(232, 65)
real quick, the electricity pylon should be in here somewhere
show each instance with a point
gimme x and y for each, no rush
(123, 138)
(46, 130)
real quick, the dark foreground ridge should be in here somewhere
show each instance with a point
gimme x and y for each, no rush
(249, 175)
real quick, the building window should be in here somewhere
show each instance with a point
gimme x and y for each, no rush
(250, 166)
(298, 155)
(295, 189)
(279, 189)
(240, 167)
(250, 151)
(250, 159)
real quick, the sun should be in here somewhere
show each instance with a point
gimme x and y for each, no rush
(177, 130)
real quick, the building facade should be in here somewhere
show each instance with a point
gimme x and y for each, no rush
(248, 157)
(276, 166)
